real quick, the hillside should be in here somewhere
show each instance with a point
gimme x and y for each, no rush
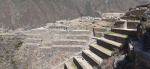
(35, 13)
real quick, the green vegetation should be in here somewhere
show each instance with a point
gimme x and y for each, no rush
(117, 34)
(91, 57)
(144, 24)
(73, 65)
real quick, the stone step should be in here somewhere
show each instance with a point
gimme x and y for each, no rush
(32, 40)
(81, 63)
(100, 29)
(69, 42)
(76, 28)
(121, 38)
(132, 24)
(100, 51)
(92, 58)
(120, 24)
(98, 34)
(81, 37)
(109, 44)
(129, 32)
(70, 65)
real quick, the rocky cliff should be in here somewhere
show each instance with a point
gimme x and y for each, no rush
(34, 13)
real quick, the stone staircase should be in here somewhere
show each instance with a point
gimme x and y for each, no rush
(102, 49)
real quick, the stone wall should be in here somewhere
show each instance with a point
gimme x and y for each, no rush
(72, 37)
(100, 31)
(132, 24)
(120, 24)
(112, 15)
(99, 34)
(71, 32)
(58, 27)
(69, 42)
(96, 29)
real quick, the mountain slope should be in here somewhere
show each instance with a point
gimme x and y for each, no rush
(35, 13)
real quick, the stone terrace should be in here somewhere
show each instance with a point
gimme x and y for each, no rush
(56, 43)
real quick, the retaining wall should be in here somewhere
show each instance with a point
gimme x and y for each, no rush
(132, 24)
(69, 42)
(70, 32)
(121, 24)
(99, 34)
(101, 29)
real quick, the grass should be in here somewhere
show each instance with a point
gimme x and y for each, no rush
(117, 34)
(144, 24)
(92, 58)
(73, 65)
(105, 49)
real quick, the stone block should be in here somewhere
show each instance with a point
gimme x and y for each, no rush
(96, 29)
(79, 37)
(121, 24)
(132, 24)
(98, 34)
(76, 28)
(58, 27)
